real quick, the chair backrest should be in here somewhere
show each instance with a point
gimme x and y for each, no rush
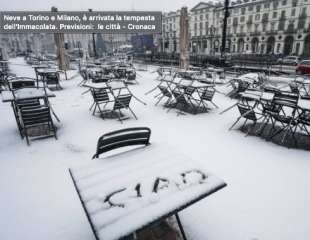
(18, 84)
(247, 112)
(179, 96)
(189, 91)
(27, 103)
(52, 78)
(208, 94)
(100, 95)
(122, 101)
(287, 99)
(123, 138)
(165, 91)
(34, 116)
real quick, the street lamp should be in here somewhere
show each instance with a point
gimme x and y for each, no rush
(94, 41)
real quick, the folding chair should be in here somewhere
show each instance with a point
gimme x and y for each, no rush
(247, 112)
(36, 116)
(180, 100)
(122, 102)
(100, 96)
(164, 93)
(287, 119)
(84, 75)
(189, 92)
(123, 138)
(207, 96)
(53, 79)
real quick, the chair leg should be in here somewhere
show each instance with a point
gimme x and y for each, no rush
(119, 116)
(159, 100)
(180, 226)
(95, 109)
(214, 104)
(91, 107)
(238, 119)
(250, 128)
(27, 137)
(133, 113)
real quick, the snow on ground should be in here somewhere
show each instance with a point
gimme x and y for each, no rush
(267, 196)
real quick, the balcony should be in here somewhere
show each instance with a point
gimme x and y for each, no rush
(272, 32)
(255, 34)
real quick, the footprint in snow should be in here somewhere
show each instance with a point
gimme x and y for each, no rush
(73, 148)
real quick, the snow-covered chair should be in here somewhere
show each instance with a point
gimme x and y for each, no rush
(123, 138)
(36, 116)
(247, 112)
(53, 79)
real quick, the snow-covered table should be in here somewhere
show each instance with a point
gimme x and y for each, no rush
(26, 93)
(304, 104)
(128, 191)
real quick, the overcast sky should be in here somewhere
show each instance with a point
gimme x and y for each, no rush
(97, 5)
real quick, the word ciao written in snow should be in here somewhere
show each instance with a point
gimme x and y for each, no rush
(188, 178)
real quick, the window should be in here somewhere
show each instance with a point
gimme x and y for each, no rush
(283, 14)
(275, 4)
(258, 8)
(242, 11)
(293, 12)
(283, 2)
(241, 29)
(250, 8)
(256, 27)
(266, 5)
(264, 27)
(242, 19)
(257, 17)
(265, 17)
(278, 47)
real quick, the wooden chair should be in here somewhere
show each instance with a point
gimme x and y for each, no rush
(123, 138)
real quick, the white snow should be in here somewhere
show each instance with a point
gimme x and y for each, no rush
(267, 196)
(159, 161)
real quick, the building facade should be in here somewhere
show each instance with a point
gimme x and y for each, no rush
(254, 26)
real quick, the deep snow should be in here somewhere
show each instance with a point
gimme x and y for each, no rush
(267, 196)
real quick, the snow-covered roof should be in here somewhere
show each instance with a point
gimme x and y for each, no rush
(128, 191)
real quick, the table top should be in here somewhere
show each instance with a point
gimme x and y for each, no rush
(103, 85)
(304, 104)
(47, 70)
(257, 95)
(187, 83)
(26, 93)
(167, 181)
